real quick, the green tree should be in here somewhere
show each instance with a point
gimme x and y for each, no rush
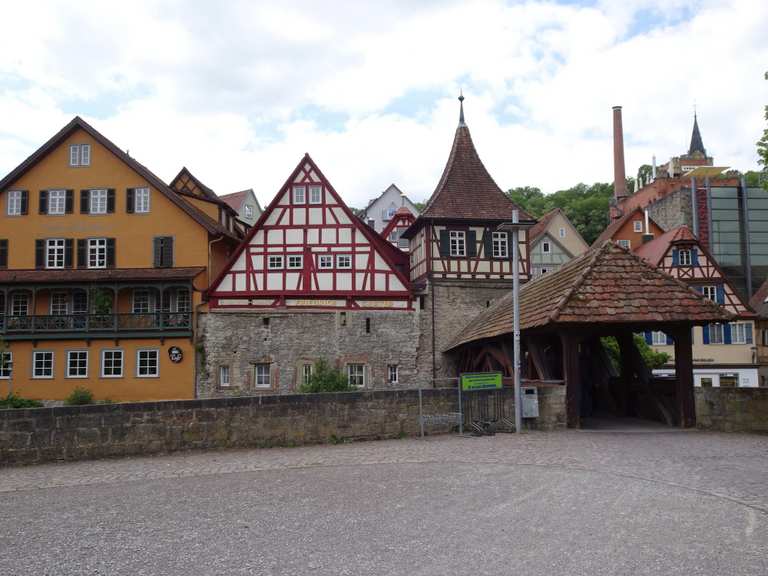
(762, 147)
(420, 206)
(325, 378)
(651, 358)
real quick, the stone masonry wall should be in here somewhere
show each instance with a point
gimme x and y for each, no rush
(732, 409)
(289, 339)
(672, 210)
(85, 432)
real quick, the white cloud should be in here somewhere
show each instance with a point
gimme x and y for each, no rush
(238, 91)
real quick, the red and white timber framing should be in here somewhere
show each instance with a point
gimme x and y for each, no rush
(399, 223)
(308, 250)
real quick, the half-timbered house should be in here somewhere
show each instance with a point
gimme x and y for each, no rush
(724, 353)
(400, 222)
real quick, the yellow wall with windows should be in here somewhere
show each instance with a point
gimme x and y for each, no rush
(175, 381)
(715, 354)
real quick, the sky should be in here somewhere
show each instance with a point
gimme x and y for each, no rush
(238, 91)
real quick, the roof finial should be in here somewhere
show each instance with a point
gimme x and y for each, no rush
(461, 108)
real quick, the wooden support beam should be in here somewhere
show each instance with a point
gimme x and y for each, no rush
(572, 377)
(684, 400)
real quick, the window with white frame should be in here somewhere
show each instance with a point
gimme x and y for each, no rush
(248, 211)
(356, 375)
(625, 243)
(500, 245)
(275, 262)
(6, 365)
(42, 364)
(97, 253)
(80, 302)
(224, 381)
(658, 338)
(390, 213)
(299, 194)
(97, 202)
(457, 242)
(20, 304)
(147, 363)
(55, 249)
(142, 302)
(715, 333)
(325, 261)
(183, 300)
(561, 232)
(315, 194)
(14, 203)
(77, 364)
(59, 304)
(637, 225)
(111, 363)
(684, 257)
(140, 200)
(392, 373)
(709, 292)
(739, 332)
(343, 261)
(262, 377)
(546, 247)
(295, 261)
(57, 202)
(80, 155)
(306, 374)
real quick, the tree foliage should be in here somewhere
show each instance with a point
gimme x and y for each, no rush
(651, 358)
(762, 147)
(325, 378)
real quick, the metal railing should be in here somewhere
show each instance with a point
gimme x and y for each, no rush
(152, 321)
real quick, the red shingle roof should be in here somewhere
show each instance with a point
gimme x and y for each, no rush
(758, 302)
(653, 252)
(235, 199)
(108, 275)
(541, 226)
(605, 285)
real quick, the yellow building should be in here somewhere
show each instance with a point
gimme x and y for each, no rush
(102, 269)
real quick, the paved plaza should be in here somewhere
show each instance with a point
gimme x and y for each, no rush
(575, 502)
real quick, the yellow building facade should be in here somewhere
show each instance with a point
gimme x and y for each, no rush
(102, 271)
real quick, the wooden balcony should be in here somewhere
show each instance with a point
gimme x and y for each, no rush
(87, 326)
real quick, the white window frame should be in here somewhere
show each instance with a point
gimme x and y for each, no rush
(315, 194)
(352, 378)
(500, 245)
(637, 225)
(292, 265)
(344, 264)
(55, 250)
(79, 155)
(306, 373)
(6, 365)
(35, 374)
(625, 243)
(97, 201)
(262, 375)
(97, 253)
(15, 298)
(156, 353)
(181, 304)
(299, 193)
(684, 261)
(74, 155)
(141, 200)
(151, 306)
(561, 232)
(68, 371)
(546, 247)
(705, 291)
(739, 332)
(325, 261)
(224, 376)
(393, 370)
(275, 262)
(457, 243)
(85, 154)
(57, 202)
(658, 338)
(717, 329)
(13, 205)
(103, 355)
(54, 304)
(248, 211)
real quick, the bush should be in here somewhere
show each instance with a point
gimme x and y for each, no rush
(12, 401)
(79, 396)
(652, 358)
(325, 378)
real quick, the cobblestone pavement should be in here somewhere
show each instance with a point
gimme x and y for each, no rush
(655, 502)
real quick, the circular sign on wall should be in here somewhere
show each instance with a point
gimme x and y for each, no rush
(175, 354)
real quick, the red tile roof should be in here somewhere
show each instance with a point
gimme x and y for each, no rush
(653, 252)
(541, 226)
(89, 275)
(235, 199)
(758, 301)
(607, 285)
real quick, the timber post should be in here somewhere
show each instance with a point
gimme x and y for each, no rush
(684, 400)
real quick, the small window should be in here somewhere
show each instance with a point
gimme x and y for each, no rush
(343, 261)
(248, 211)
(684, 257)
(59, 304)
(141, 200)
(625, 244)
(706, 382)
(546, 247)
(57, 202)
(342, 318)
(295, 261)
(457, 243)
(739, 332)
(356, 375)
(299, 194)
(392, 373)
(42, 364)
(77, 364)
(20, 304)
(15, 201)
(6, 365)
(80, 155)
(306, 374)
(325, 261)
(142, 302)
(97, 253)
(709, 292)
(55, 253)
(637, 225)
(315, 195)
(224, 376)
(275, 262)
(262, 379)
(111, 363)
(658, 338)
(147, 363)
(367, 325)
(97, 201)
(715, 333)
(561, 232)
(500, 245)
(163, 251)
(544, 271)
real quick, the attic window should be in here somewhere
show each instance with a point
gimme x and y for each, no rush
(80, 155)
(299, 194)
(248, 211)
(562, 232)
(546, 247)
(637, 225)
(315, 195)
(684, 257)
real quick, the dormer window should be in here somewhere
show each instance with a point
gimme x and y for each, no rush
(299, 194)
(684, 257)
(80, 155)
(638, 225)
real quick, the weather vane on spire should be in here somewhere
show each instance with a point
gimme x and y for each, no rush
(461, 108)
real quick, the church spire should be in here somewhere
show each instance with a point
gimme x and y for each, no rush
(461, 109)
(696, 144)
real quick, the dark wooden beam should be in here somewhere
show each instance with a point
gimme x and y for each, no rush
(686, 407)
(572, 377)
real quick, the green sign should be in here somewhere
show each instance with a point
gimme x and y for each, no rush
(480, 381)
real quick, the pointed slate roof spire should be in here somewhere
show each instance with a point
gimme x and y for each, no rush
(461, 109)
(696, 144)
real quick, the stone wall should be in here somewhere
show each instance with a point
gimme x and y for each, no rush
(732, 409)
(83, 432)
(672, 210)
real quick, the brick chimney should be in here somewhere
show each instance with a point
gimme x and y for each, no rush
(619, 176)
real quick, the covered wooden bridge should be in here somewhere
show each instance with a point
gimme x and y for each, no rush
(607, 292)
